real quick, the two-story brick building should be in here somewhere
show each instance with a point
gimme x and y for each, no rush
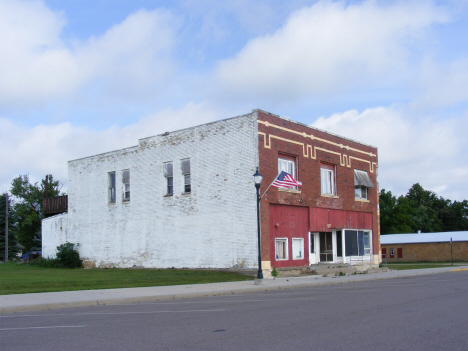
(187, 199)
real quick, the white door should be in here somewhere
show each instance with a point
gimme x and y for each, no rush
(313, 248)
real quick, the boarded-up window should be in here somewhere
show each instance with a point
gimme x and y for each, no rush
(168, 169)
(126, 184)
(400, 252)
(384, 253)
(185, 166)
(298, 248)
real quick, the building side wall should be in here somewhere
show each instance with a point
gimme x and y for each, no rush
(310, 148)
(427, 252)
(213, 226)
(54, 232)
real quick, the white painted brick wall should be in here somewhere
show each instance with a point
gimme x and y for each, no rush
(214, 226)
(55, 228)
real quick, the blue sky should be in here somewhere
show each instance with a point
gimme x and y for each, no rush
(84, 77)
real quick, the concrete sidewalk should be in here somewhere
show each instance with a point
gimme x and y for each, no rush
(52, 300)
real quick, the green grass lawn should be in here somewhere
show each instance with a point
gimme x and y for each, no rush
(401, 266)
(25, 278)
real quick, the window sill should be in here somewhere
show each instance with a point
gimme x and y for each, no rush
(290, 190)
(169, 195)
(111, 203)
(361, 200)
(331, 196)
(185, 194)
(281, 259)
(298, 259)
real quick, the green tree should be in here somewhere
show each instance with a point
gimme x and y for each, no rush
(395, 214)
(454, 216)
(12, 243)
(425, 203)
(28, 208)
(421, 210)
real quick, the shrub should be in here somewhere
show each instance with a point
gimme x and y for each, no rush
(68, 256)
(275, 272)
(45, 262)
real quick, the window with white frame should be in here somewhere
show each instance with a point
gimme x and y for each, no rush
(360, 192)
(357, 242)
(287, 164)
(281, 248)
(185, 168)
(298, 248)
(169, 176)
(367, 243)
(111, 187)
(361, 184)
(126, 185)
(327, 179)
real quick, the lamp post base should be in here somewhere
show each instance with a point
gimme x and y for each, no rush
(258, 281)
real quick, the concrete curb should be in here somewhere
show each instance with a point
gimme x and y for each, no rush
(82, 298)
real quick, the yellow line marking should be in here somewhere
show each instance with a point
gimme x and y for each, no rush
(459, 270)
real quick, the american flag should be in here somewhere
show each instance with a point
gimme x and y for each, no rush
(285, 180)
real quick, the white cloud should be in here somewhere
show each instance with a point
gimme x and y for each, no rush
(37, 65)
(443, 85)
(45, 149)
(331, 47)
(425, 152)
(34, 63)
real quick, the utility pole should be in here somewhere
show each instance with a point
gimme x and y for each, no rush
(6, 227)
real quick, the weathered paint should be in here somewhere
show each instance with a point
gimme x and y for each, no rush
(324, 219)
(289, 222)
(213, 226)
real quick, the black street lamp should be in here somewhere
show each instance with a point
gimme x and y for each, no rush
(258, 180)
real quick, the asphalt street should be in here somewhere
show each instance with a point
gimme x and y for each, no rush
(414, 313)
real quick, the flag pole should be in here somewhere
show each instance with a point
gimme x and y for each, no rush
(270, 184)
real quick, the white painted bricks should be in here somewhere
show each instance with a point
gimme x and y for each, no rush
(213, 226)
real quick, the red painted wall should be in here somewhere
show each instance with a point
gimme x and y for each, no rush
(320, 218)
(289, 222)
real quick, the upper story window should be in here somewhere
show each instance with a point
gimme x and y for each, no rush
(126, 185)
(169, 176)
(361, 183)
(111, 187)
(327, 179)
(287, 164)
(360, 192)
(185, 168)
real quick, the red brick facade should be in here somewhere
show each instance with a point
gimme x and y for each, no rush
(425, 252)
(311, 148)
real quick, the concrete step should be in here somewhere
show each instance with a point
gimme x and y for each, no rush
(332, 269)
(293, 271)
